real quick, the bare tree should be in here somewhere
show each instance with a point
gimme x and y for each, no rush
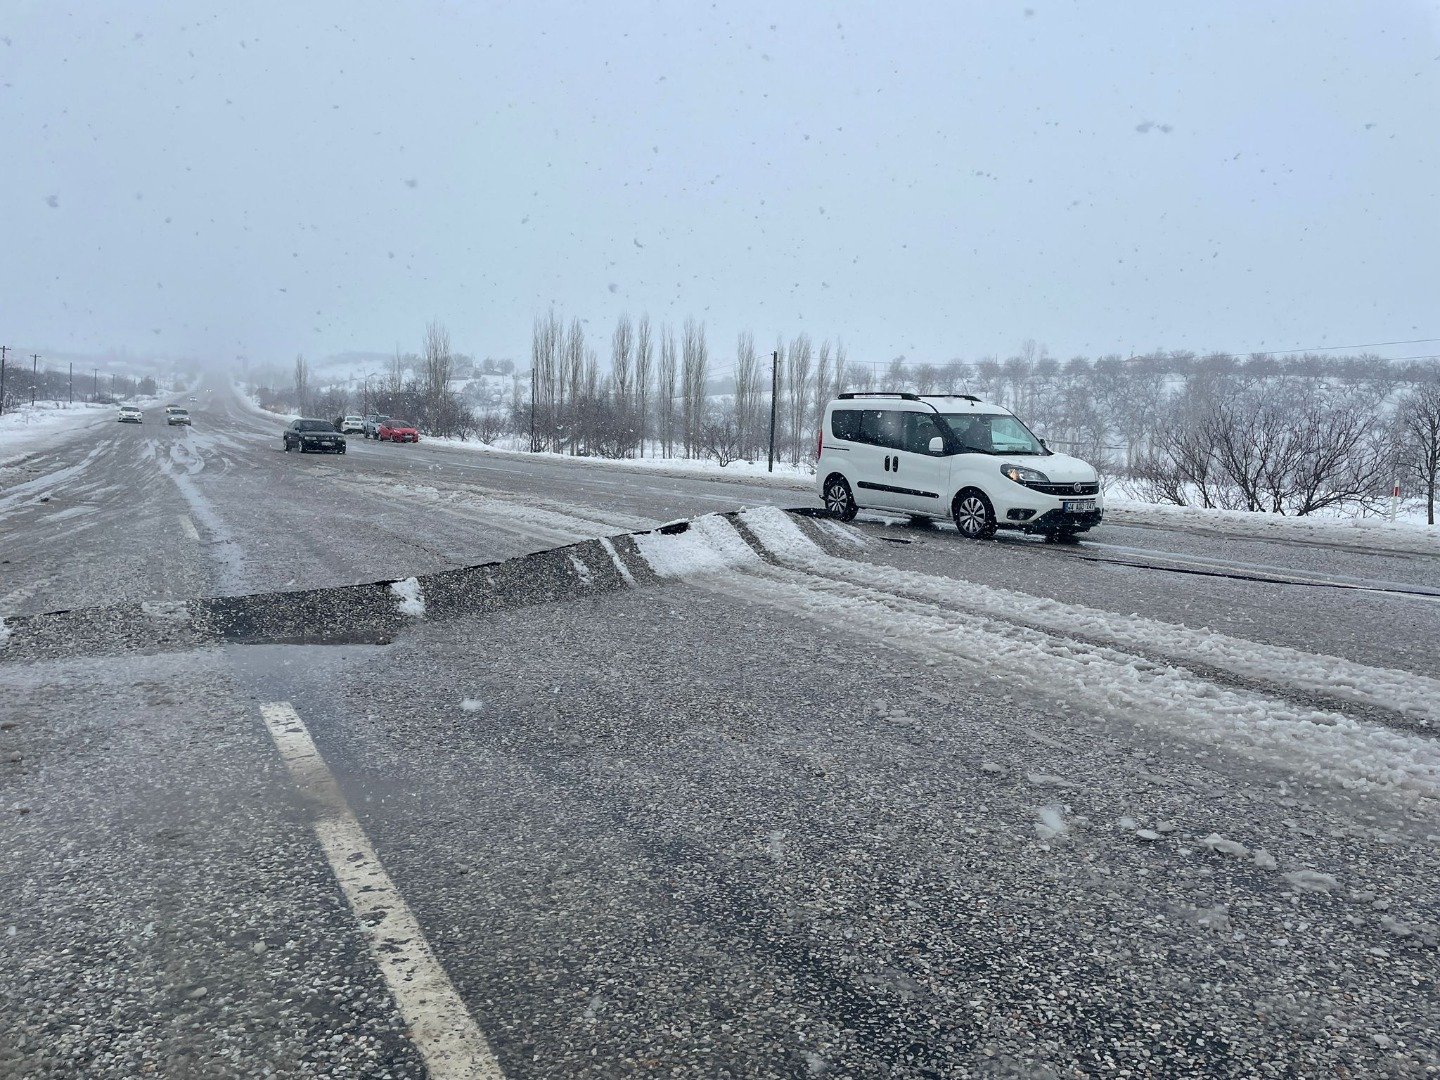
(620, 349)
(694, 360)
(666, 393)
(437, 366)
(572, 380)
(644, 360)
(797, 395)
(302, 383)
(1419, 452)
(720, 435)
(823, 389)
(545, 345)
(746, 385)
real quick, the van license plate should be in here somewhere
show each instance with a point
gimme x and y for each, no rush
(1073, 506)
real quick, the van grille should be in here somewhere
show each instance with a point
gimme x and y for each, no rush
(1091, 488)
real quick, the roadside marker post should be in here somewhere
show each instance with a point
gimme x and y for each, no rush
(1394, 500)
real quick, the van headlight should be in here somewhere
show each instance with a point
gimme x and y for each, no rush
(1021, 475)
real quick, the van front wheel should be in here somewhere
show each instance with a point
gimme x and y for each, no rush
(839, 502)
(974, 516)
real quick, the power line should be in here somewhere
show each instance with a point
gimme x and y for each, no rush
(1338, 348)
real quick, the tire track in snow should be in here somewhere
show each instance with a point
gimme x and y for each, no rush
(223, 548)
(1171, 699)
(1388, 689)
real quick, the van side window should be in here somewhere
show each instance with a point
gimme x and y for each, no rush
(845, 424)
(883, 427)
(920, 428)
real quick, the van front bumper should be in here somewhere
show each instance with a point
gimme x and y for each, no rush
(1059, 521)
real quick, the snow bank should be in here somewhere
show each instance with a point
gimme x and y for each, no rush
(248, 400)
(412, 602)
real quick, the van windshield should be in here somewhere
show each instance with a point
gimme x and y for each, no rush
(988, 433)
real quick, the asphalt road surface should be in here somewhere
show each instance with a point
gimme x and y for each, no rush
(768, 796)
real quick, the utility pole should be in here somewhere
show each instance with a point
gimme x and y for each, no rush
(774, 402)
(34, 374)
(3, 350)
(534, 391)
(72, 382)
(94, 383)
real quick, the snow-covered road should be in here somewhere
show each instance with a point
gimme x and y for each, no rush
(762, 796)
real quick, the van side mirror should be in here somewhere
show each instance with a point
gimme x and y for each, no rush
(1043, 446)
(937, 445)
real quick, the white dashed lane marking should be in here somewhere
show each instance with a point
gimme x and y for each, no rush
(439, 1024)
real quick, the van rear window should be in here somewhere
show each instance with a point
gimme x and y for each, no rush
(845, 424)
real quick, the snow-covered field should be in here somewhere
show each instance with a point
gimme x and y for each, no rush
(27, 428)
(1407, 533)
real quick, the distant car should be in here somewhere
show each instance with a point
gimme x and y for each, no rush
(177, 416)
(397, 431)
(129, 414)
(352, 425)
(372, 425)
(309, 434)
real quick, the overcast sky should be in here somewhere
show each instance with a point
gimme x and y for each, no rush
(929, 179)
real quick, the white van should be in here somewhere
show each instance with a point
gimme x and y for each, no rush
(953, 457)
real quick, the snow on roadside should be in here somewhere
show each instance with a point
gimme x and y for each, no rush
(1375, 533)
(794, 477)
(247, 399)
(1414, 695)
(24, 429)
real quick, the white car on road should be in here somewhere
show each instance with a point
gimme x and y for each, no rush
(129, 414)
(177, 416)
(953, 457)
(352, 425)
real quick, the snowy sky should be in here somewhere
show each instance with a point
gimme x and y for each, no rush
(932, 179)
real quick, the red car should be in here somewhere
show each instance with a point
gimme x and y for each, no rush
(397, 431)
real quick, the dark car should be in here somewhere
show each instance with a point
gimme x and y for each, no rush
(317, 435)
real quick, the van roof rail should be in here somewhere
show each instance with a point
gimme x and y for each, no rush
(962, 397)
(901, 394)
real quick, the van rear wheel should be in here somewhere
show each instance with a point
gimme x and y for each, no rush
(838, 500)
(974, 516)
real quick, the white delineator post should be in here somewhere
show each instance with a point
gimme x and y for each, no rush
(1394, 500)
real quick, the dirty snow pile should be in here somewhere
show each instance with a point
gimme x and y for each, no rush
(412, 601)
